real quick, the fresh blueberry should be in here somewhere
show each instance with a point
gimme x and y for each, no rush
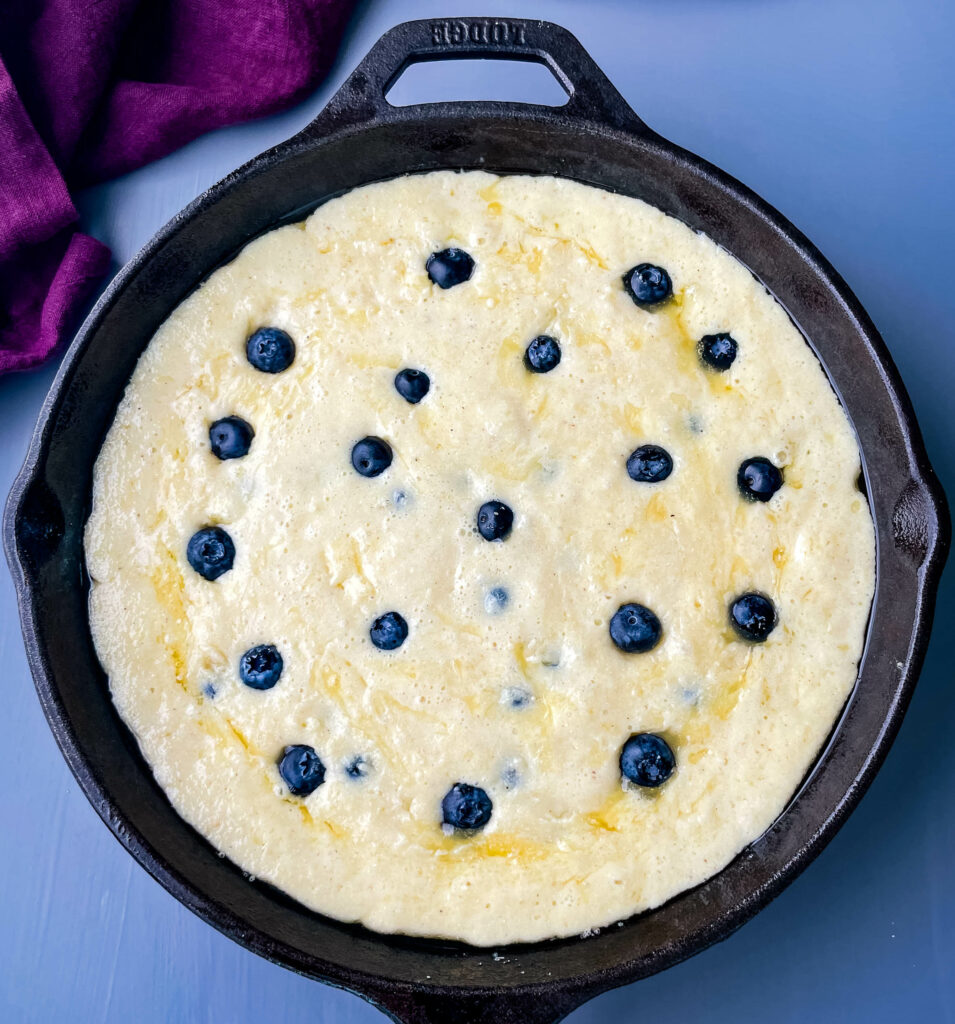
(358, 767)
(647, 760)
(635, 629)
(302, 769)
(495, 600)
(494, 520)
(230, 438)
(648, 285)
(758, 479)
(210, 552)
(718, 350)
(542, 354)
(466, 807)
(449, 267)
(389, 631)
(753, 616)
(412, 385)
(649, 464)
(270, 350)
(260, 667)
(371, 456)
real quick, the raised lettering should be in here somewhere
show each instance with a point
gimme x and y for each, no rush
(455, 33)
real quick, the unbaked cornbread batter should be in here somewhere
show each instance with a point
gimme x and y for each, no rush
(482, 557)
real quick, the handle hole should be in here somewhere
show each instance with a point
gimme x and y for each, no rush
(517, 81)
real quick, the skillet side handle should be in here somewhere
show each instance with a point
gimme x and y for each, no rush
(547, 1007)
(591, 96)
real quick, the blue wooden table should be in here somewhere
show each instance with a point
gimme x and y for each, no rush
(842, 114)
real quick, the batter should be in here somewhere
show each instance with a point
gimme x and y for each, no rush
(480, 558)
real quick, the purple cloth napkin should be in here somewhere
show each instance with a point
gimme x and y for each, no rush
(92, 88)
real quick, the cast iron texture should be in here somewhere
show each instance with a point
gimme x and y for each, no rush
(359, 138)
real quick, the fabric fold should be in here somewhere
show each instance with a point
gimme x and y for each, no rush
(90, 90)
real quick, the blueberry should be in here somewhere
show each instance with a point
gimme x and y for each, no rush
(270, 350)
(389, 631)
(494, 520)
(647, 760)
(302, 769)
(718, 351)
(635, 629)
(412, 385)
(758, 479)
(495, 600)
(516, 697)
(466, 807)
(542, 354)
(358, 767)
(371, 456)
(753, 616)
(210, 552)
(209, 691)
(648, 285)
(449, 267)
(260, 667)
(649, 464)
(230, 438)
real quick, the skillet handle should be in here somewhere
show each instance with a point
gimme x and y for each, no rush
(591, 96)
(546, 1007)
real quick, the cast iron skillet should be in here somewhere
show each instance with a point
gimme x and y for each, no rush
(360, 138)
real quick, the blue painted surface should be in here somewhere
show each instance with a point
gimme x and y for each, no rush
(842, 114)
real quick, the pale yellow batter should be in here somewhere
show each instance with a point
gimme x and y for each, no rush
(322, 551)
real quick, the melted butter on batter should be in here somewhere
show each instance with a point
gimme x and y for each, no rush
(321, 552)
